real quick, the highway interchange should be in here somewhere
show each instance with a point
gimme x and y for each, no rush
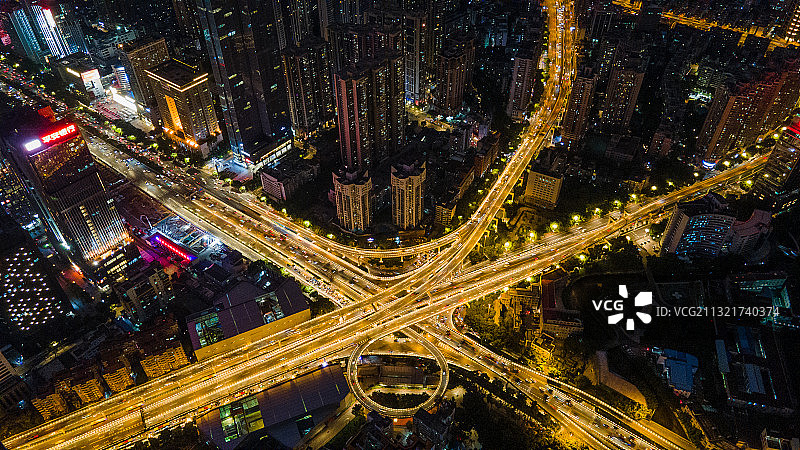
(370, 306)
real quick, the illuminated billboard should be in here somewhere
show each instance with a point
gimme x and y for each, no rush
(67, 131)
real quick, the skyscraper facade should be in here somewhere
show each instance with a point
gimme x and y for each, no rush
(352, 191)
(700, 228)
(622, 93)
(138, 56)
(58, 171)
(244, 40)
(522, 82)
(417, 46)
(778, 184)
(408, 192)
(24, 40)
(370, 111)
(184, 102)
(29, 294)
(308, 73)
(577, 113)
(743, 110)
(451, 79)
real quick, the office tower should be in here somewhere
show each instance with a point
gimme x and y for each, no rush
(353, 200)
(522, 82)
(408, 192)
(622, 93)
(741, 111)
(699, 228)
(352, 43)
(70, 28)
(542, 188)
(45, 24)
(451, 76)
(54, 162)
(370, 111)
(308, 79)
(184, 102)
(24, 40)
(30, 296)
(579, 108)
(778, 184)
(188, 21)
(138, 56)
(244, 42)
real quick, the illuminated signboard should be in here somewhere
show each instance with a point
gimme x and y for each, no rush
(33, 145)
(59, 135)
(173, 248)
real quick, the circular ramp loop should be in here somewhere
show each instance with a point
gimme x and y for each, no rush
(364, 399)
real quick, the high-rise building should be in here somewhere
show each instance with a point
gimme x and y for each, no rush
(352, 193)
(308, 73)
(741, 111)
(579, 108)
(30, 296)
(69, 27)
(699, 228)
(417, 47)
(451, 79)
(48, 30)
(24, 40)
(58, 171)
(543, 188)
(791, 25)
(188, 20)
(522, 82)
(138, 56)
(622, 93)
(464, 42)
(778, 184)
(352, 43)
(244, 42)
(370, 111)
(14, 199)
(184, 102)
(408, 192)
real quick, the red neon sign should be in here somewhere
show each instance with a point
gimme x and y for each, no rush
(174, 248)
(57, 135)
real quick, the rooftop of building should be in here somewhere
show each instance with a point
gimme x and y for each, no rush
(177, 73)
(79, 62)
(413, 168)
(347, 178)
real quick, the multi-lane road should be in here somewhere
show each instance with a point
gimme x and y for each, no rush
(370, 306)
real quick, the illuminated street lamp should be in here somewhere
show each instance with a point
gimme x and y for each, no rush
(749, 182)
(507, 245)
(653, 188)
(598, 211)
(554, 226)
(576, 218)
(696, 174)
(330, 236)
(726, 163)
(582, 257)
(306, 223)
